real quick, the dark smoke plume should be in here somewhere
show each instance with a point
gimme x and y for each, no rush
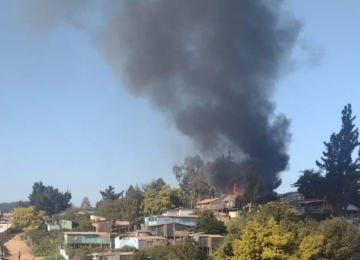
(211, 66)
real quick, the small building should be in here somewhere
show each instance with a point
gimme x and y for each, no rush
(139, 242)
(124, 225)
(89, 239)
(290, 197)
(179, 212)
(4, 225)
(210, 204)
(110, 256)
(314, 206)
(208, 242)
(229, 202)
(186, 220)
(7, 216)
(170, 230)
(94, 218)
(103, 226)
(352, 211)
(58, 224)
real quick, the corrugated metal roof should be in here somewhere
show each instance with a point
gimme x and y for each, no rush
(150, 238)
(101, 234)
(208, 235)
(207, 201)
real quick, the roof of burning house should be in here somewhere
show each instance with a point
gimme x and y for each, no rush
(207, 201)
(289, 193)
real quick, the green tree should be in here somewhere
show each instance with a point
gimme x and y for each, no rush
(341, 241)
(193, 180)
(341, 171)
(208, 223)
(252, 188)
(186, 251)
(109, 194)
(85, 204)
(154, 184)
(157, 201)
(83, 224)
(27, 219)
(49, 199)
(312, 184)
(110, 209)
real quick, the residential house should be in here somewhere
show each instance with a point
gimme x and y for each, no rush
(103, 226)
(110, 256)
(139, 242)
(290, 197)
(58, 224)
(7, 216)
(170, 226)
(210, 204)
(89, 239)
(208, 242)
(124, 225)
(94, 218)
(229, 202)
(180, 212)
(313, 206)
(4, 225)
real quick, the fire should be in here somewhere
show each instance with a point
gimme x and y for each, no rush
(235, 190)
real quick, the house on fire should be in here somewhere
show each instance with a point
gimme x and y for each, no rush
(210, 204)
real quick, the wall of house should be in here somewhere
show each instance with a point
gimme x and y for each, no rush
(150, 243)
(229, 201)
(65, 224)
(86, 239)
(52, 227)
(125, 241)
(156, 220)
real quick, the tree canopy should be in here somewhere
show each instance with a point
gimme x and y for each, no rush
(109, 194)
(27, 219)
(208, 223)
(340, 185)
(49, 199)
(275, 233)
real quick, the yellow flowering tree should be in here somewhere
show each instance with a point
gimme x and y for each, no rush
(27, 219)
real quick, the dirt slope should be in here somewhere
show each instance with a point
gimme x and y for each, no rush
(15, 245)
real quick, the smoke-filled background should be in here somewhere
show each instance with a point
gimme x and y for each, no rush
(210, 66)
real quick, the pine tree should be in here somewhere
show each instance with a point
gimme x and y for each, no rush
(341, 174)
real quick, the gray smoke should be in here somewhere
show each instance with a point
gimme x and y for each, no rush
(211, 66)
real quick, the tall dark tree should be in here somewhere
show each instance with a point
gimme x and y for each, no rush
(49, 199)
(187, 172)
(312, 184)
(154, 184)
(193, 180)
(341, 171)
(109, 194)
(252, 187)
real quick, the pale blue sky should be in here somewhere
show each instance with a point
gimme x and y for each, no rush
(65, 120)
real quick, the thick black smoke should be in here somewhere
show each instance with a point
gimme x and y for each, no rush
(211, 66)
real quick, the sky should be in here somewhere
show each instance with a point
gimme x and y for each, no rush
(66, 121)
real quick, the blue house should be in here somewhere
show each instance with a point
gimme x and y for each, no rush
(170, 226)
(186, 220)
